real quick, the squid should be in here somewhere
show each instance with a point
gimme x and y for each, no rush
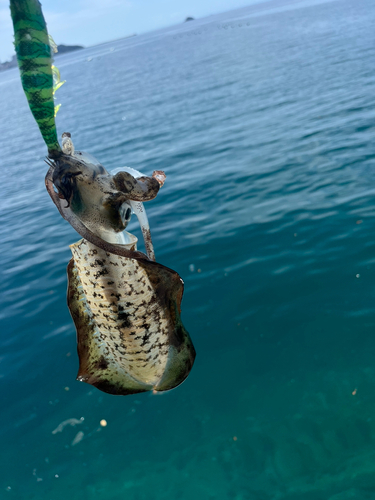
(126, 307)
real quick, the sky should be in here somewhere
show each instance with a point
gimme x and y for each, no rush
(89, 22)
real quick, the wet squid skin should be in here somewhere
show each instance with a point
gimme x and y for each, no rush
(127, 316)
(126, 309)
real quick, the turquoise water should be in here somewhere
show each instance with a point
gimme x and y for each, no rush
(263, 119)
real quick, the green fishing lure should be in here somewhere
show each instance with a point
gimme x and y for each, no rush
(35, 62)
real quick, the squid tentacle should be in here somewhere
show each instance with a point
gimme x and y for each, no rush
(138, 207)
(140, 212)
(138, 189)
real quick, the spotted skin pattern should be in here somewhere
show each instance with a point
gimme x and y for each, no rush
(130, 337)
(34, 61)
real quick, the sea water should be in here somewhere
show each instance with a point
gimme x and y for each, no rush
(263, 120)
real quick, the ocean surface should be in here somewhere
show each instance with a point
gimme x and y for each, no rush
(263, 119)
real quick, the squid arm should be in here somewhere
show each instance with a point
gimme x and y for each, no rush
(136, 203)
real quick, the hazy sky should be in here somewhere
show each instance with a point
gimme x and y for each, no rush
(88, 22)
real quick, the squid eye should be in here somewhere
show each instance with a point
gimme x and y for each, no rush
(125, 213)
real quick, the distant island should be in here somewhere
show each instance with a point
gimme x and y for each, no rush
(61, 49)
(189, 19)
(9, 64)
